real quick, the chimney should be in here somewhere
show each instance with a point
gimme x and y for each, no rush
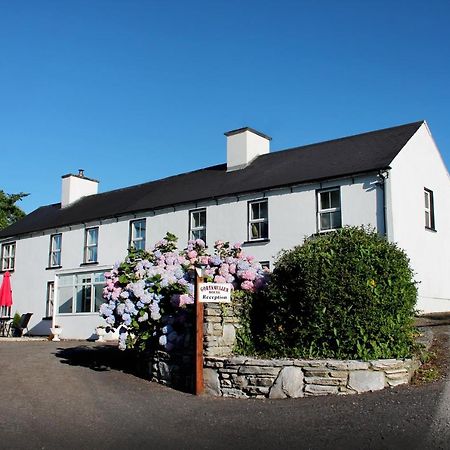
(244, 145)
(75, 187)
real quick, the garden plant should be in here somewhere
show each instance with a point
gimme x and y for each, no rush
(148, 296)
(344, 294)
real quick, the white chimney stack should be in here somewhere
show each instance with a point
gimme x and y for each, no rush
(75, 187)
(244, 145)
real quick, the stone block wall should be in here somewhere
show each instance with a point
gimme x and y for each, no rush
(244, 377)
(247, 377)
(219, 329)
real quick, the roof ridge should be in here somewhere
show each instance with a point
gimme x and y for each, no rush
(352, 136)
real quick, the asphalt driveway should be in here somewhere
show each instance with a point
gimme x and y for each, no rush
(79, 395)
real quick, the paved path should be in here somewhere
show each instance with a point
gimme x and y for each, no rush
(74, 395)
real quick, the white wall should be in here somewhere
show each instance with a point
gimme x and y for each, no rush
(419, 165)
(292, 217)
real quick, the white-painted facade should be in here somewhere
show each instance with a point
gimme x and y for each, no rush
(292, 215)
(417, 167)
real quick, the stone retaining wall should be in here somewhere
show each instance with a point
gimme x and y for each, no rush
(283, 378)
(237, 376)
(246, 377)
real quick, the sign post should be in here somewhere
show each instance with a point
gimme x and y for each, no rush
(199, 386)
(205, 293)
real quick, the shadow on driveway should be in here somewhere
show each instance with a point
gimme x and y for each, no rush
(101, 358)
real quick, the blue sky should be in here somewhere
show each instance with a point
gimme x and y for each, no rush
(133, 91)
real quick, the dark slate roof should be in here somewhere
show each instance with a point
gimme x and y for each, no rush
(325, 160)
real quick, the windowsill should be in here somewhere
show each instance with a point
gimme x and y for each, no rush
(78, 314)
(6, 270)
(433, 230)
(331, 230)
(53, 267)
(256, 242)
(93, 263)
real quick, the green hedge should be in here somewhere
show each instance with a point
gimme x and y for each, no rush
(345, 294)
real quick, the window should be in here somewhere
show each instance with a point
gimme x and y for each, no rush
(91, 245)
(55, 251)
(197, 224)
(258, 220)
(50, 298)
(137, 234)
(80, 293)
(265, 264)
(329, 210)
(429, 209)
(8, 256)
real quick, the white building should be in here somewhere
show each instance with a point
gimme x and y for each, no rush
(393, 179)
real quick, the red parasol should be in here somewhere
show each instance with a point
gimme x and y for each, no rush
(5, 291)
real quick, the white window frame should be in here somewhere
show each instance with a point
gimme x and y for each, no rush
(74, 285)
(429, 209)
(134, 239)
(193, 230)
(255, 221)
(50, 300)
(321, 211)
(88, 245)
(55, 251)
(8, 256)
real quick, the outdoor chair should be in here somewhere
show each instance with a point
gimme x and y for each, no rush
(18, 329)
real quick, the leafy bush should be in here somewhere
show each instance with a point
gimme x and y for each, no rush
(346, 294)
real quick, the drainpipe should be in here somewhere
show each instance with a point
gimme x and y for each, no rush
(383, 175)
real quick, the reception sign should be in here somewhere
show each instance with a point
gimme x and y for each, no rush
(215, 292)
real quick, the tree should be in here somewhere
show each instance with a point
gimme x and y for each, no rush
(9, 211)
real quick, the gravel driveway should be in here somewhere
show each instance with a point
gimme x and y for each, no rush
(78, 395)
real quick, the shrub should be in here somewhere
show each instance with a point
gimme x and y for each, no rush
(345, 294)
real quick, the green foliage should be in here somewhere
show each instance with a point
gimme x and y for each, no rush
(345, 294)
(9, 211)
(242, 304)
(16, 319)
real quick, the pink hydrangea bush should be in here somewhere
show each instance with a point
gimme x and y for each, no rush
(148, 296)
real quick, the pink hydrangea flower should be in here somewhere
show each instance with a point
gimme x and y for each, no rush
(200, 243)
(204, 259)
(224, 269)
(247, 286)
(219, 279)
(186, 300)
(249, 274)
(232, 269)
(192, 254)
